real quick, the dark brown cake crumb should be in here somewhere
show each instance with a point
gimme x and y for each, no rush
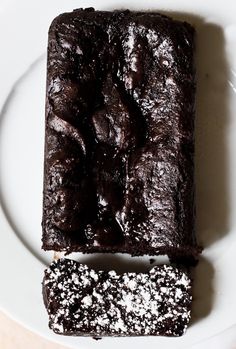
(151, 260)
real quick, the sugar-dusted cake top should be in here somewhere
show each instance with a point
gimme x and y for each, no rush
(82, 301)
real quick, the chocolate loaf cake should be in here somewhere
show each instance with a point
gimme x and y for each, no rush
(81, 301)
(119, 146)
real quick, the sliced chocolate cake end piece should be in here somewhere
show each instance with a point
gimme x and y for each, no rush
(119, 145)
(81, 301)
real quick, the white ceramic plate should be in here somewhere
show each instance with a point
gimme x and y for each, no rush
(23, 28)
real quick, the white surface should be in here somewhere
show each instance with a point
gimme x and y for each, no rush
(23, 28)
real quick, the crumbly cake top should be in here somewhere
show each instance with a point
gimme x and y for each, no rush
(80, 300)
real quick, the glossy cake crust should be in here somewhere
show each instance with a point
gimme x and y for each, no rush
(119, 144)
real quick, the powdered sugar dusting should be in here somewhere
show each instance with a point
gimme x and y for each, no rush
(83, 301)
(130, 47)
(130, 57)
